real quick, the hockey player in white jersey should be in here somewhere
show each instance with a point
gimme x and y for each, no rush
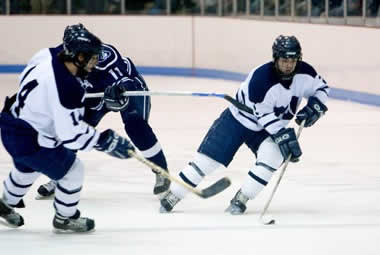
(42, 125)
(274, 92)
(113, 75)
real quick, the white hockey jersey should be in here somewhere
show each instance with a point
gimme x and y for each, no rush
(275, 104)
(50, 99)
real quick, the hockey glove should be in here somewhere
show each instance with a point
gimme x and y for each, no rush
(311, 112)
(113, 144)
(113, 97)
(289, 146)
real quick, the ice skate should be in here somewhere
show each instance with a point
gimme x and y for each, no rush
(11, 217)
(46, 191)
(162, 184)
(168, 201)
(74, 223)
(238, 204)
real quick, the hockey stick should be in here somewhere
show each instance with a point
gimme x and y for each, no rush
(230, 99)
(272, 221)
(210, 191)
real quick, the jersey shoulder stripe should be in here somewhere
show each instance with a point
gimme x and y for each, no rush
(262, 80)
(305, 68)
(70, 91)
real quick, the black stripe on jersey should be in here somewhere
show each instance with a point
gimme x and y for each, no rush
(26, 74)
(258, 179)
(69, 89)
(271, 122)
(323, 89)
(184, 178)
(88, 141)
(247, 117)
(18, 185)
(76, 137)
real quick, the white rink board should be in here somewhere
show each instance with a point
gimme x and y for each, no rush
(326, 204)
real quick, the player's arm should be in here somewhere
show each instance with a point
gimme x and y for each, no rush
(285, 138)
(317, 94)
(76, 134)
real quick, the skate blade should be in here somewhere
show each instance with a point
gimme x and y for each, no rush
(5, 223)
(163, 210)
(71, 232)
(39, 197)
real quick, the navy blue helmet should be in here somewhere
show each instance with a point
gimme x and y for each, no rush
(77, 39)
(286, 47)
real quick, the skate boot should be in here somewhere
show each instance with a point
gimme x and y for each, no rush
(46, 191)
(162, 184)
(74, 223)
(168, 201)
(237, 205)
(12, 218)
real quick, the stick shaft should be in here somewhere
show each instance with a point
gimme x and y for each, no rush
(230, 99)
(281, 175)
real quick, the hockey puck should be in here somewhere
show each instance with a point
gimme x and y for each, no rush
(271, 222)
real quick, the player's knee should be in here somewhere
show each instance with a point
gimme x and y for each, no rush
(74, 177)
(269, 154)
(201, 166)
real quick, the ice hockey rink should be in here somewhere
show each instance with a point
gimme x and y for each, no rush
(328, 203)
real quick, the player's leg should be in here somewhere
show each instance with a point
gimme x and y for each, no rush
(16, 185)
(67, 195)
(218, 147)
(17, 141)
(136, 125)
(63, 166)
(269, 159)
(92, 116)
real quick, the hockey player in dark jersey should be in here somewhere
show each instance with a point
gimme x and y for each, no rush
(113, 75)
(274, 92)
(41, 127)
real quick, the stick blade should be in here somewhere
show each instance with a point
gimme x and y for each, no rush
(215, 188)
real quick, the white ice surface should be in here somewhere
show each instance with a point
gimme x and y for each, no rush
(329, 203)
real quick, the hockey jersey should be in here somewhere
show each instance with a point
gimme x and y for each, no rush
(50, 99)
(274, 104)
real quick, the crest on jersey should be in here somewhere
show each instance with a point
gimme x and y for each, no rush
(105, 54)
(85, 84)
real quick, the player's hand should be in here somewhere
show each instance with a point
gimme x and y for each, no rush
(289, 146)
(114, 145)
(114, 98)
(314, 110)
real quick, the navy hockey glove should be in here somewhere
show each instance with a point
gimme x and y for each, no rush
(113, 144)
(113, 96)
(289, 146)
(311, 112)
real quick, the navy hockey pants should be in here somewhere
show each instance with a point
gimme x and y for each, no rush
(225, 137)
